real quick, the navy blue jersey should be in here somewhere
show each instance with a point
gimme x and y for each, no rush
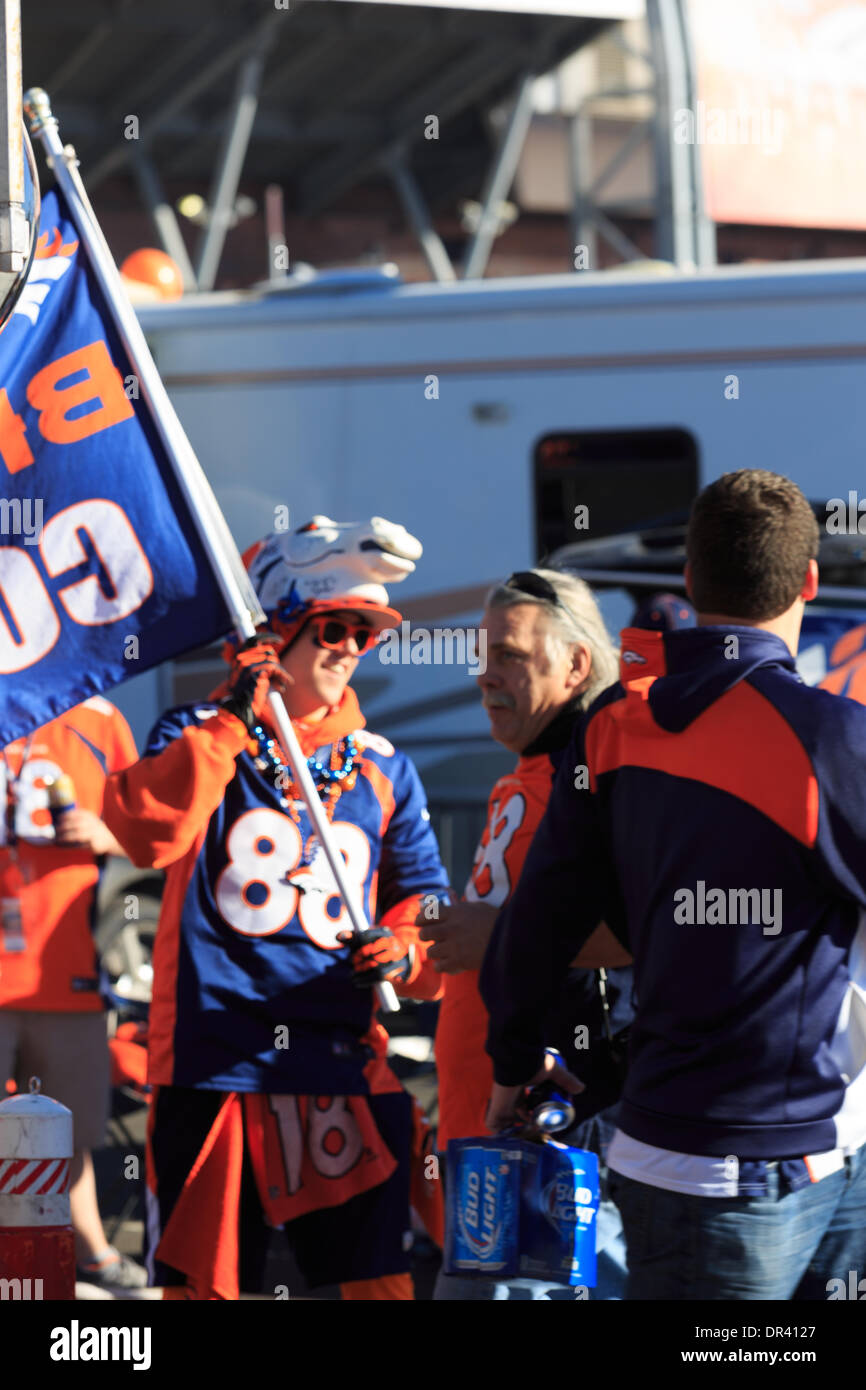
(252, 990)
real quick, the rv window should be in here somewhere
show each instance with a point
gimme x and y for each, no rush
(624, 479)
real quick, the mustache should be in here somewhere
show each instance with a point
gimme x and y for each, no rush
(497, 702)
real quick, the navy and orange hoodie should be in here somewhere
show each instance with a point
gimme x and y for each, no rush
(711, 766)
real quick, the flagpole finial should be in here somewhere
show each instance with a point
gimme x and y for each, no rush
(37, 109)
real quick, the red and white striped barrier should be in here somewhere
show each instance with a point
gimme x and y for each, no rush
(37, 1248)
(39, 1177)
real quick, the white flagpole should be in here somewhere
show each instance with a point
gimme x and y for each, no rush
(237, 591)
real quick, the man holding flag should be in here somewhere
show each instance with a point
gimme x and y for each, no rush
(132, 558)
(273, 1096)
(104, 574)
(113, 554)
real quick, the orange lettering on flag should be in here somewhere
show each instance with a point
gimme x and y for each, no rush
(54, 247)
(14, 449)
(102, 383)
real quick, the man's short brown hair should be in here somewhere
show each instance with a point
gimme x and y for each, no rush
(750, 539)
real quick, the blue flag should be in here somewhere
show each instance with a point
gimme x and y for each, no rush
(102, 574)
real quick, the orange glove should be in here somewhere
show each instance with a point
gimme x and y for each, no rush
(378, 955)
(255, 670)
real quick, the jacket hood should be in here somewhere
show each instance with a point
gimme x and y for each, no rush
(683, 673)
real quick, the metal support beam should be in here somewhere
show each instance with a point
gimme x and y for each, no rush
(584, 231)
(307, 65)
(231, 162)
(464, 81)
(639, 132)
(500, 177)
(587, 216)
(617, 37)
(704, 226)
(683, 234)
(282, 127)
(161, 78)
(163, 216)
(80, 55)
(475, 74)
(622, 244)
(152, 122)
(419, 220)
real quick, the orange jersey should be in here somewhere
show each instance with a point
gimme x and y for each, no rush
(516, 806)
(48, 960)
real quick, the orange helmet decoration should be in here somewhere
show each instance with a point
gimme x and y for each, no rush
(152, 275)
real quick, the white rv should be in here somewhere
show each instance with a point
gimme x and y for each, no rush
(498, 420)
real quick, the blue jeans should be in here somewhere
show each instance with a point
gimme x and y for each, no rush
(787, 1245)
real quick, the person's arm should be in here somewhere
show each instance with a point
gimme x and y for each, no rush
(81, 828)
(411, 879)
(458, 935)
(567, 886)
(158, 806)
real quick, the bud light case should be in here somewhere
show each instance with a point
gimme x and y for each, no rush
(516, 1209)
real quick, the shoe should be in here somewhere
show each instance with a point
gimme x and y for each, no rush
(120, 1276)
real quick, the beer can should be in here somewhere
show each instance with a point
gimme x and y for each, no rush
(549, 1110)
(61, 796)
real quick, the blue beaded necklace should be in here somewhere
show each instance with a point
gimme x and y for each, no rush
(328, 779)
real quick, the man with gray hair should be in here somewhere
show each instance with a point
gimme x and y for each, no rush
(548, 657)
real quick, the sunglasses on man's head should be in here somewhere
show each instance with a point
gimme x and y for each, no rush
(333, 632)
(535, 585)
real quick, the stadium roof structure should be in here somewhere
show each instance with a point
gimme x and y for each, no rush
(315, 95)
